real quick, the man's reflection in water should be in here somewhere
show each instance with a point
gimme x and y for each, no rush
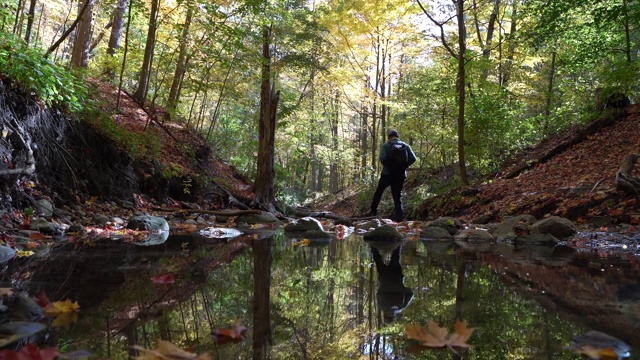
(392, 295)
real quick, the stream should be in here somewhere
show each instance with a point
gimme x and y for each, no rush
(338, 299)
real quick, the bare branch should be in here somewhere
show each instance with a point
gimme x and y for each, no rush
(441, 26)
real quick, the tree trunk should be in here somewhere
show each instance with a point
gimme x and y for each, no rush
(82, 43)
(181, 68)
(115, 39)
(264, 187)
(511, 47)
(461, 89)
(18, 20)
(145, 72)
(30, 18)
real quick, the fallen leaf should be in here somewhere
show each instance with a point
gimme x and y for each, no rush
(165, 350)
(163, 279)
(24, 253)
(42, 299)
(6, 292)
(30, 352)
(234, 334)
(437, 337)
(59, 307)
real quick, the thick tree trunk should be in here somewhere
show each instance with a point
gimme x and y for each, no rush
(262, 259)
(264, 187)
(181, 67)
(115, 39)
(145, 72)
(82, 43)
(624, 180)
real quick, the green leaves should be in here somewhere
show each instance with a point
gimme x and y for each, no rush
(29, 69)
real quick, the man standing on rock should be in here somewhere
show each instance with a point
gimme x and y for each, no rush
(396, 156)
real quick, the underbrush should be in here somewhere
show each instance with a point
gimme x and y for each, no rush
(27, 68)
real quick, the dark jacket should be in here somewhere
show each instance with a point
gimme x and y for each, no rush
(385, 152)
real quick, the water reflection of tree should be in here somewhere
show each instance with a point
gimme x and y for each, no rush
(261, 298)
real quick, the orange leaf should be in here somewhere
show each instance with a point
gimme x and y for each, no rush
(234, 334)
(37, 236)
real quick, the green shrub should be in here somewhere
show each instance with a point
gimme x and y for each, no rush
(38, 75)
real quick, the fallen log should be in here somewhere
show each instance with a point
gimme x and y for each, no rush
(208, 212)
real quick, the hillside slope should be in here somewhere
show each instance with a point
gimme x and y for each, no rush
(578, 182)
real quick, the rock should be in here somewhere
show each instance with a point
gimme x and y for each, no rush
(535, 239)
(44, 226)
(482, 219)
(369, 225)
(148, 223)
(601, 221)
(304, 224)
(200, 220)
(383, 233)
(6, 253)
(100, 219)
(474, 236)
(512, 227)
(344, 221)
(74, 228)
(190, 222)
(317, 238)
(555, 225)
(450, 224)
(262, 218)
(435, 233)
(45, 208)
(125, 204)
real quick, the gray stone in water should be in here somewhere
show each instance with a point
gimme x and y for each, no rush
(75, 228)
(6, 253)
(44, 226)
(510, 228)
(366, 226)
(304, 224)
(45, 208)
(262, 218)
(474, 236)
(383, 233)
(100, 219)
(148, 223)
(316, 235)
(450, 224)
(536, 239)
(555, 225)
(435, 233)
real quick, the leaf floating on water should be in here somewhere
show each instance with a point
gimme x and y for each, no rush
(438, 337)
(60, 307)
(163, 279)
(598, 345)
(24, 253)
(31, 352)
(167, 350)
(234, 334)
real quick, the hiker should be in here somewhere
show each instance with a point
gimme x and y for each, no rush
(395, 156)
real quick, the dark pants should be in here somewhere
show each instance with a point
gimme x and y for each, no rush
(396, 183)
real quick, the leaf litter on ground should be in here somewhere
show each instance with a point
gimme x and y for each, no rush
(438, 337)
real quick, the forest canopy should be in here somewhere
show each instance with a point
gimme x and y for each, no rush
(465, 82)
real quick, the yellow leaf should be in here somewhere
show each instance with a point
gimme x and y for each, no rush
(63, 320)
(24, 253)
(437, 337)
(59, 307)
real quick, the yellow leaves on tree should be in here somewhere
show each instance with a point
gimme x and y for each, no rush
(168, 351)
(438, 337)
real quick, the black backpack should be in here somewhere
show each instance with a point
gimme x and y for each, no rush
(399, 157)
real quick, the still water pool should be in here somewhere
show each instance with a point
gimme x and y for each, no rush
(339, 299)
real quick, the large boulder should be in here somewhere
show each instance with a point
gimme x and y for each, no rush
(304, 224)
(369, 225)
(450, 224)
(511, 228)
(555, 225)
